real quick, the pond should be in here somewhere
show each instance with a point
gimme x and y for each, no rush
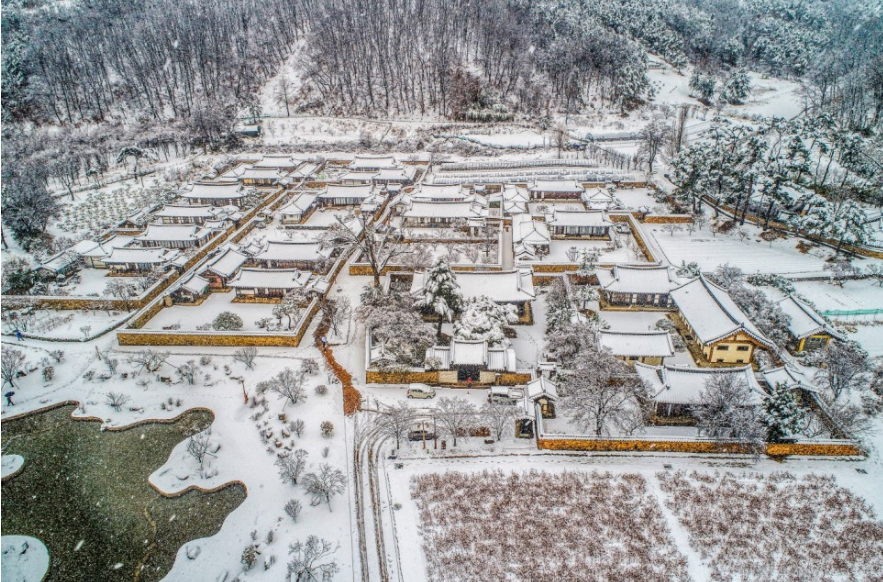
(85, 494)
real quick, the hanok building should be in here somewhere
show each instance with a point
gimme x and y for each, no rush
(530, 237)
(273, 283)
(214, 194)
(358, 178)
(468, 213)
(552, 190)
(372, 163)
(389, 177)
(716, 325)
(503, 287)
(191, 290)
(185, 214)
(438, 193)
(220, 271)
(339, 195)
(647, 347)
(598, 199)
(304, 255)
(139, 260)
(296, 211)
(263, 177)
(543, 393)
(646, 286)
(808, 329)
(470, 359)
(674, 391)
(174, 236)
(591, 225)
(283, 163)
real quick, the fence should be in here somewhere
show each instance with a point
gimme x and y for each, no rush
(512, 165)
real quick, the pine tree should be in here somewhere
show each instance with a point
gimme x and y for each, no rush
(482, 319)
(703, 85)
(441, 293)
(782, 415)
(737, 87)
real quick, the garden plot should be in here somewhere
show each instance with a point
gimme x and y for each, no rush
(750, 254)
(103, 208)
(560, 251)
(776, 526)
(636, 197)
(853, 295)
(193, 317)
(57, 324)
(92, 283)
(565, 525)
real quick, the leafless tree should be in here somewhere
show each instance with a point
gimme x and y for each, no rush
(378, 248)
(292, 508)
(500, 418)
(727, 410)
(187, 371)
(292, 465)
(395, 421)
(843, 366)
(10, 364)
(121, 290)
(284, 93)
(117, 400)
(325, 484)
(336, 312)
(653, 138)
(311, 561)
(148, 360)
(199, 446)
(246, 355)
(287, 384)
(455, 416)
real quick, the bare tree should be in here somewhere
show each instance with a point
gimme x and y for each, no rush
(335, 313)
(378, 248)
(11, 364)
(727, 410)
(291, 466)
(292, 508)
(148, 360)
(601, 394)
(284, 93)
(121, 290)
(395, 421)
(500, 418)
(325, 484)
(311, 561)
(199, 446)
(117, 400)
(653, 138)
(456, 416)
(843, 366)
(246, 355)
(287, 384)
(289, 307)
(187, 371)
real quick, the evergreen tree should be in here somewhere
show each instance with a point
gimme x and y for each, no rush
(482, 319)
(782, 415)
(441, 293)
(737, 87)
(703, 85)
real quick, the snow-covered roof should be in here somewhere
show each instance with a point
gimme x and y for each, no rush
(637, 343)
(805, 321)
(372, 162)
(597, 195)
(270, 279)
(472, 353)
(680, 385)
(541, 387)
(292, 251)
(712, 313)
(277, 162)
(83, 247)
(459, 209)
(403, 174)
(438, 192)
(228, 263)
(195, 284)
(299, 204)
(205, 190)
(262, 173)
(60, 261)
(155, 256)
(556, 186)
(359, 176)
(185, 210)
(526, 230)
(577, 218)
(637, 279)
(500, 286)
(344, 191)
(788, 376)
(468, 353)
(173, 233)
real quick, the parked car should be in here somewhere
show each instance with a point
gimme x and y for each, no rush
(623, 228)
(420, 391)
(504, 395)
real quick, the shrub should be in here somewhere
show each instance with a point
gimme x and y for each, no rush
(327, 428)
(48, 373)
(205, 360)
(321, 390)
(292, 508)
(309, 366)
(227, 321)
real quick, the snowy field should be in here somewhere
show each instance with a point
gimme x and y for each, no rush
(64, 324)
(854, 295)
(752, 255)
(559, 249)
(189, 317)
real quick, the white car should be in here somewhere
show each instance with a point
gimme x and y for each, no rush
(420, 391)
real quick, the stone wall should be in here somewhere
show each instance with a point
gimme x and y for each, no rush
(772, 449)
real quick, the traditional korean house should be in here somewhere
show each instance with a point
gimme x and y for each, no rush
(214, 194)
(531, 238)
(716, 325)
(191, 290)
(542, 392)
(303, 255)
(578, 225)
(638, 285)
(281, 162)
(220, 271)
(339, 195)
(358, 178)
(403, 176)
(504, 287)
(442, 214)
(296, 211)
(808, 330)
(647, 347)
(174, 236)
(553, 190)
(261, 177)
(185, 214)
(598, 199)
(60, 265)
(372, 163)
(464, 359)
(438, 193)
(675, 390)
(270, 283)
(139, 260)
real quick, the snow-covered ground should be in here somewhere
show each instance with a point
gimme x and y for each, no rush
(25, 559)
(65, 324)
(188, 317)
